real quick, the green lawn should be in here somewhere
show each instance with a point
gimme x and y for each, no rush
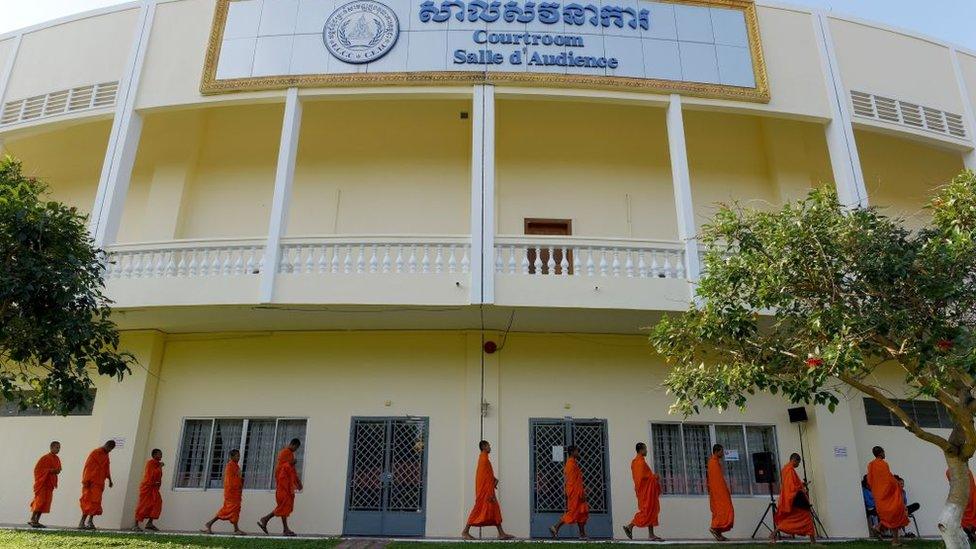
(80, 540)
(593, 545)
(85, 540)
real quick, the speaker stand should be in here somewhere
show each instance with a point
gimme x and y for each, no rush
(770, 507)
(817, 523)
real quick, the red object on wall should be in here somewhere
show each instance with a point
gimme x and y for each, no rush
(491, 347)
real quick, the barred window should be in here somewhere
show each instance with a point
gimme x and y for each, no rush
(928, 413)
(12, 408)
(206, 444)
(680, 455)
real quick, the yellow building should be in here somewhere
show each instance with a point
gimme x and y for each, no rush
(393, 228)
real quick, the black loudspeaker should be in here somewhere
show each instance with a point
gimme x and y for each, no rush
(797, 415)
(765, 471)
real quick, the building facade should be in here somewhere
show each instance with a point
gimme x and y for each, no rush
(393, 228)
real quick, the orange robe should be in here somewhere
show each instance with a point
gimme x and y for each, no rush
(486, 510)
(45, 481)
(648, 489)
(150, 504)
(969, 513)
(233, 488)
(93, 477)
(790, 519)
(577, 510)
(286, 483)
(888, 496)
(719, 497)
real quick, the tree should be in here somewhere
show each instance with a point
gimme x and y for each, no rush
(55, 324)
(813, 298)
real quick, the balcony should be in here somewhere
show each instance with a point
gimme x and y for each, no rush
(605, 273)
(185, 272)
(375, 270)
(347, 269)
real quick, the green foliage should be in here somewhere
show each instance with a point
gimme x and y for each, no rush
(54, 320)
(804, 299)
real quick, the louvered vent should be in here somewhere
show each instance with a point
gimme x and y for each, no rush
(60, 102)
(895, 111)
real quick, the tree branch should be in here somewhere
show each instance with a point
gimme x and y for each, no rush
(909, 423)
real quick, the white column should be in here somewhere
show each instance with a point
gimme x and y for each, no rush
(284, 176)
(483, 195)
(968, 158)
(8, 71)
(123, 141)
(681, 179)
(844, 158)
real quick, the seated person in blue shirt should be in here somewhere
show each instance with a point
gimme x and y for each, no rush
(869, 505)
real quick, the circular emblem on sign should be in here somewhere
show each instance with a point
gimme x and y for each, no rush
(361, 31)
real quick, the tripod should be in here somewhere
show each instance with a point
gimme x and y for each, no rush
(817, 524)
(770, 507)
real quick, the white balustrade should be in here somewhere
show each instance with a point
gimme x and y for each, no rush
(569, 256)
(185, 259)
(370, 255)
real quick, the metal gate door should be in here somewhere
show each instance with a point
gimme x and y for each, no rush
(386, 487)
(548, 438)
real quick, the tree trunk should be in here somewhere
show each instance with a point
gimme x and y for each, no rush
(951, 517)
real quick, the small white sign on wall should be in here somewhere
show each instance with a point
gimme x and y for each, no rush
(840, 452)
(119, 442)
(557, 453)
(731, 455)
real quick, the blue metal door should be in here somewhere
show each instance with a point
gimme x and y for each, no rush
(548, 438)
(386, 488)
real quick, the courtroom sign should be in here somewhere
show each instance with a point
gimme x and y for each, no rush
(706, 48)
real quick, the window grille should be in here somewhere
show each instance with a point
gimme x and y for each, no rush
(206, 444)
(194, 449)
(896, 111)
(56, 103)
(680, 455)
(927, 413)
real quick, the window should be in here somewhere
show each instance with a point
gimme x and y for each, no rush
(11, 408)
(928, 413)
(681, 452)
(206, 445)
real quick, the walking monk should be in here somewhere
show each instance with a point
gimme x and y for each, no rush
(648, 489)
(97, 470)
(793, 515)
(150, 504)
(968, 521)
(889, 499)
(719, 497)
(233, 487)
(577, 510)
(286, 483)
(46, 473)
(486, 510)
